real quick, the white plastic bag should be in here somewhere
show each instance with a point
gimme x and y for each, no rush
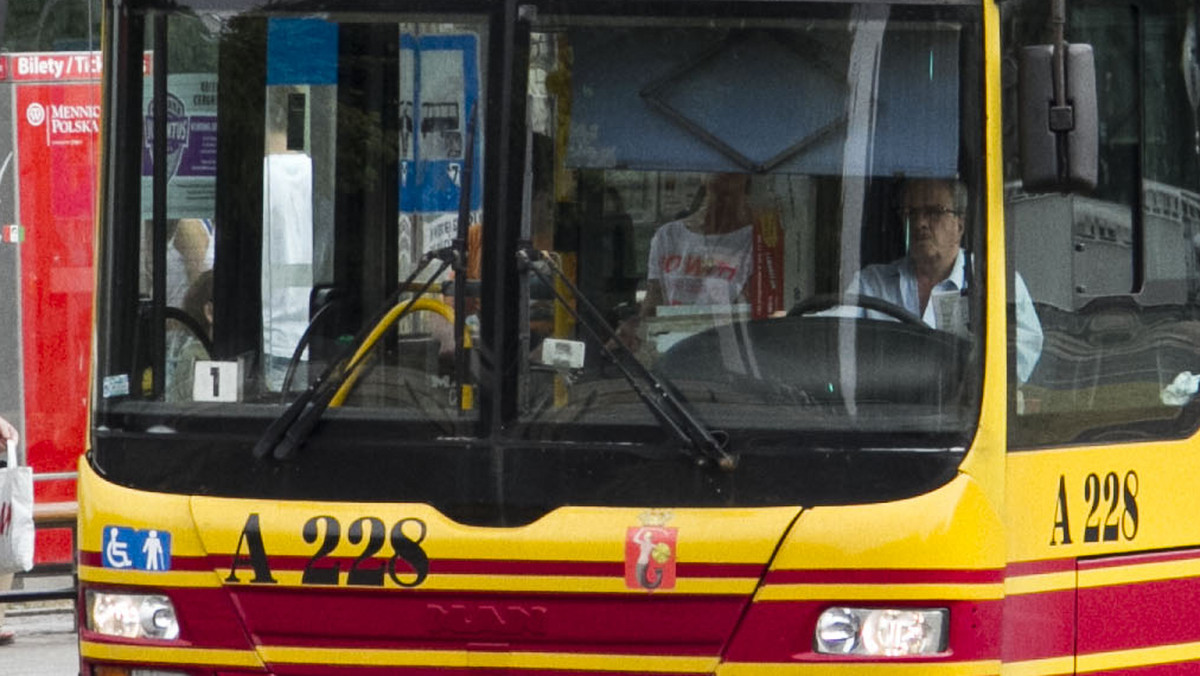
(16, 516)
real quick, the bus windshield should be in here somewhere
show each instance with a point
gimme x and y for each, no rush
(769, 214)
(749, 231)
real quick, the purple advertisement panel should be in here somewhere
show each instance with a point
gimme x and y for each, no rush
(191, 145)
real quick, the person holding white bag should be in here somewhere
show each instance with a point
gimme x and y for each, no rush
(8, 433)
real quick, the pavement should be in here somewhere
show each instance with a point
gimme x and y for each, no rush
(47, 643)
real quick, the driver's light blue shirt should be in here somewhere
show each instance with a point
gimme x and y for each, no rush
(896, 283)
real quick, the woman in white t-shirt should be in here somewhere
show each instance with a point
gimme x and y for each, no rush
(705, 258)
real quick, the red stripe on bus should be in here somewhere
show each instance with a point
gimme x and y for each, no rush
(183, 563)
(323, 670)
(1039, 626)
(1161, 611)
(1041, 567)
(1136, 559)
(1188, 668)
(885, 576)
(509, 567)
(224, 562)
(443, 566)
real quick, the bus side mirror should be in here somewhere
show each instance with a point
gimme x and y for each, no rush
(1059, 144)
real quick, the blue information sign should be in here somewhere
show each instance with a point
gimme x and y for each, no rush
(132, 549)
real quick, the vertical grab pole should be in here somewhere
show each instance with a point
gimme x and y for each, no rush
(466, 398)
(158, 326)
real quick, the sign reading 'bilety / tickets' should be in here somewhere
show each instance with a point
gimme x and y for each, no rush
(43, 67)
(56, 66)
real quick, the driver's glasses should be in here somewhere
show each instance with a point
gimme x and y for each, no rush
(929, 213)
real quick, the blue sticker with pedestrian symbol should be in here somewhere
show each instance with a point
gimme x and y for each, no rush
(132, 549)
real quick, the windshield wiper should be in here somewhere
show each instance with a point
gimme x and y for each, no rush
(668, 407)
(284, 436)
(289, 431)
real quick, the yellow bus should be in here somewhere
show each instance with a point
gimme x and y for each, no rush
(672, 337)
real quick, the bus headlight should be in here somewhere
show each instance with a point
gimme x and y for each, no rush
(131, 615)
(889, 632)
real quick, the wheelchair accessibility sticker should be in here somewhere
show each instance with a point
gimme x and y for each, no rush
(132, 549)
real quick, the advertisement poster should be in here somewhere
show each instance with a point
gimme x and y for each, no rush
(56, 113)
(766, 284)
(191, 146)
(439, 88)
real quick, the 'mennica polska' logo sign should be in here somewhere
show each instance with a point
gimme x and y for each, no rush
(65, 123)
(74, 119)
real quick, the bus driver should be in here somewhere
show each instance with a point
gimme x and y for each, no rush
(932, 210)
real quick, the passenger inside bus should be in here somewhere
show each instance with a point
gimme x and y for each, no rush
(189, 254)
(287, 251)
(190, 251)
(703, 258)
(184, 348)
(188, 330)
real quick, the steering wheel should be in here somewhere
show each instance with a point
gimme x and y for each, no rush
(828, 301)
(189, 323)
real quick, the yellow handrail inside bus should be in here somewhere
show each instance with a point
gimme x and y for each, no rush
(466, 398)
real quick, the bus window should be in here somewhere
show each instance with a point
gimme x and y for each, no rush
(285, 210)
(1120, 321)
(178, 252)
(638, 258)
(732, 262)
